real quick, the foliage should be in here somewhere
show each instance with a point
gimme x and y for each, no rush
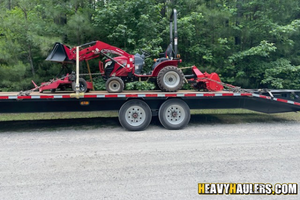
(187, 86)
(252, 43)
(277, 73)
(99, 83)
(140, 85)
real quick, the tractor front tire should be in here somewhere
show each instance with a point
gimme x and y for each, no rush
(114, 85)
(170, 79)
(82, 85)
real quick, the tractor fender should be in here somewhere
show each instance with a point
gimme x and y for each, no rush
(164, 64)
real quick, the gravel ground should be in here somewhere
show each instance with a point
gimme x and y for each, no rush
(111, 163)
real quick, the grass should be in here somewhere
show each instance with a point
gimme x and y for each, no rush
(223, 115)
(56, 115)
(230, 116)
(91, 120)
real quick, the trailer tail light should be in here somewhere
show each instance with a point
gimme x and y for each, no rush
(84, 103)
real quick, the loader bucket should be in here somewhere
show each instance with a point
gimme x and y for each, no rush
(58, 54)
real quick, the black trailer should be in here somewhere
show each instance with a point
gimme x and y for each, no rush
(137, 108)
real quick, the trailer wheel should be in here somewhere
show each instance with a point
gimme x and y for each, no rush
(135, 115)
(114, 85)
(82, 85)
(170, 79)
(174, 114)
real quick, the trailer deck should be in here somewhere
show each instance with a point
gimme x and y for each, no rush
(281, 101)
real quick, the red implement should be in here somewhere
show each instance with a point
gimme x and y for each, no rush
(64, 83)
(209, 82)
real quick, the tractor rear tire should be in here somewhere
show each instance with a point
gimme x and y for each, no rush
(114, 85)
(82, 85)
(170, 79)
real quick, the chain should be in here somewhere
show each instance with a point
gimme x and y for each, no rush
(185, 67)
(87, 74)
(229, 86)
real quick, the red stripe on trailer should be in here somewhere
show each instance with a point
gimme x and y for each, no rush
(111, 96)
(90, 96)
(151, 95)
(66, 96)
(170, 95)
(190, 95)
(24, 97)
(296, 103)
(246, 94)
(227, 94)
(131, 95)
(282, 100)
(209, 95)
(46, 97)
(264, 97)
(3, 97)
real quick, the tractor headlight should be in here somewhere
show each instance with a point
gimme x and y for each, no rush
(107, 64)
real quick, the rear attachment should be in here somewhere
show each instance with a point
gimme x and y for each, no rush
(204, 81)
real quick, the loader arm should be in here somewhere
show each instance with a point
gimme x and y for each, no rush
(63, 54)
(95, 49)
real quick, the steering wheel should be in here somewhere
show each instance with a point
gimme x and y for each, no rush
(145, 53)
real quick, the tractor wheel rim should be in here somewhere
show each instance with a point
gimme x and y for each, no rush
(135, 115)
(81, 87)
(114, 86)
(171, 79)
(175, 114)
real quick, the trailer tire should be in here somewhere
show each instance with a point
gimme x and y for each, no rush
(135, 115)
(170, 79)
(174, 114)
(82, 85)
(114, 85)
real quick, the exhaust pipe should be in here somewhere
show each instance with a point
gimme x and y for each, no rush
(58, 54)
(173, 18)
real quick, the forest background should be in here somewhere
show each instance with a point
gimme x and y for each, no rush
(249, 43)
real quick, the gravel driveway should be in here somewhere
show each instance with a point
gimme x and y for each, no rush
(110, 163)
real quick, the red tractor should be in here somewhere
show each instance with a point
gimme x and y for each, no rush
(121, 67)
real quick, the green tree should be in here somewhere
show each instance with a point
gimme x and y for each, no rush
(249, 43)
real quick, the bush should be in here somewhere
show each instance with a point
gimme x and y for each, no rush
(140, 85)
(99, 83)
